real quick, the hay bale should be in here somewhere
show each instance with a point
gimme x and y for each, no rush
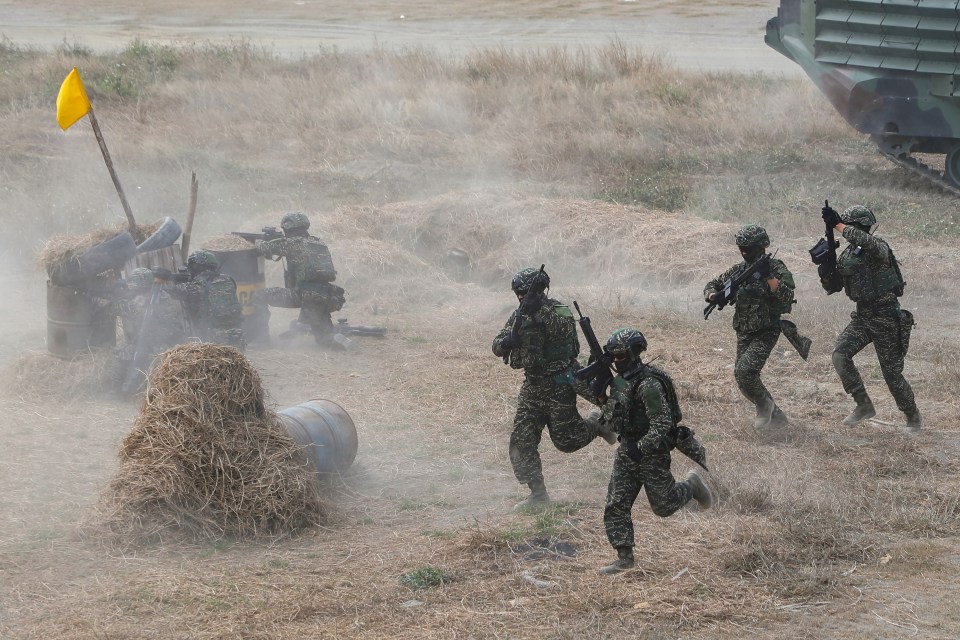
(226, 243)
(206, 458)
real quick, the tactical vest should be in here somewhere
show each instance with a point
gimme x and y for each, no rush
(308, 262)
(633, 421)
(755, 308)
(866, 279)
(537, 353)
(220, 306)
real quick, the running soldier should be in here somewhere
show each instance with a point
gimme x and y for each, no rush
(210, 303)
(645, 412)
(869, 274)
(759, 302)
(308, 279)
(540, 337)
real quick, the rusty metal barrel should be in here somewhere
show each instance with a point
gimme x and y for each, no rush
(246, 269)
(326, 430)
(75, 323)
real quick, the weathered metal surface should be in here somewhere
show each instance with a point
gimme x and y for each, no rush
(326, 430)
(75, 323)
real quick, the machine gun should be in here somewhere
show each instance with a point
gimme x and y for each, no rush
(732, 285)
(343, 328)
(824, 255)
(527, 307)
(269, 233)
(597, 371)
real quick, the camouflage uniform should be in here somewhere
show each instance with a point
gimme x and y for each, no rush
(164, 331)
(308, 283)
(756, 321)
(871, 279)
(211, 307)
(548, 397)
(643, 417)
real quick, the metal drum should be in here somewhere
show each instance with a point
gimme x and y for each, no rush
(246, 269)
(75, 323)
(327, 430)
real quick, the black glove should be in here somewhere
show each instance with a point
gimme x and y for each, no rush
(532, 303)
(825, 270)
(509, 342)
(830, 217)
(763, 270)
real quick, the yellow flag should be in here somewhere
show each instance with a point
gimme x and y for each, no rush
(72, 101)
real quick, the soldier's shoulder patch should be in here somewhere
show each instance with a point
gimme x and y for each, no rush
(563, 311)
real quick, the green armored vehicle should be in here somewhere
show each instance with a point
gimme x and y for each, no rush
(890, 67)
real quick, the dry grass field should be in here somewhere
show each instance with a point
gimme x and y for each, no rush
(627, 177)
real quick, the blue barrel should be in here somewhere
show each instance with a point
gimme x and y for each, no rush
(326, 430)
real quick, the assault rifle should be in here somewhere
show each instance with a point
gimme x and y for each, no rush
(528, 306)
(824, 255)
(269, 233)
(597, 371)
(733, 284)
(165, 275)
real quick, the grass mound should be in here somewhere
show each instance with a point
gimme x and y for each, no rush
(206, 459)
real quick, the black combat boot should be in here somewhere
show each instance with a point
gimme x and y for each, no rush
(914, 421)
(863, 411)
(764, 412)
(701, 492)
(623, 562)
(538, 497)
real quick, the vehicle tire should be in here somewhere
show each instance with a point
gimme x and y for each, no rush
(166, 235)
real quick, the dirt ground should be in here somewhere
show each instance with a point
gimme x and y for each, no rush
(711, 36)
(825, 532)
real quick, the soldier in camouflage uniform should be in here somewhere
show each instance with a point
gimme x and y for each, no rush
(542, 340)
(308, 279)
(210, 302)
(869, 274)
(760, 301)
(152, 323)
(644, 411)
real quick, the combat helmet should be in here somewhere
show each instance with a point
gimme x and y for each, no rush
(140, 278)
(752, 235)
(525, 279)
(859, 216)
(295, 221)
(202, 260)
(626, 342)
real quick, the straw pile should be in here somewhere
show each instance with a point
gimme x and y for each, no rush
(228, 242)
(206, 459)
(40, 373)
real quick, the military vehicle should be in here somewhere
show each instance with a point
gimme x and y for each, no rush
(890, 67)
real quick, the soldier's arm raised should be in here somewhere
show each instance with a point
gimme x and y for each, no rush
(872, 246)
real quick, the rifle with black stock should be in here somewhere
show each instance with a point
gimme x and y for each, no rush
(733, 284)
(344, 328)
(824, 255)
(528, 306)
(597, 371)
(269, 233)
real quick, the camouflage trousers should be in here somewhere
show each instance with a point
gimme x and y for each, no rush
(544, 403)
(231, 337)
(884, 330)
(315, 308)
(753, 349)
(652, 473)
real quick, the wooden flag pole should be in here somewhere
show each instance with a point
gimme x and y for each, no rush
(113, 173)
(185, 243)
